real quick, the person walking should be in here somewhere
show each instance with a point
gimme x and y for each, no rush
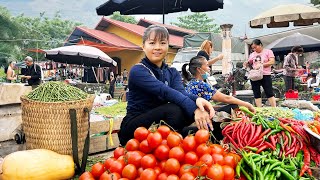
(261, 57)
(111, 86)
(290, 66)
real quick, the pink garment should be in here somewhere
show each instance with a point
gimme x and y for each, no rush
(265, 55)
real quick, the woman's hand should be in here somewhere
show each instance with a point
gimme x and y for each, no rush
(245, 64)
(205, 105)
(220, 57)
(202, 119)
(251, 108)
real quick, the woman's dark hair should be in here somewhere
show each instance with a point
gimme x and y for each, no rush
(257, 42)
(195, 62)
(6, 68)
(298, 49)
(161, 33)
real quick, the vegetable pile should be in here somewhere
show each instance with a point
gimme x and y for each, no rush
(56, 92)
(278, 147)
(159, 153)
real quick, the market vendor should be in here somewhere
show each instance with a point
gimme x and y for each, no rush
(313, 80)
(197, 72)
(156, 92)
(32, 72)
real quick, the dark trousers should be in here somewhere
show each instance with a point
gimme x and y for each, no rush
(266, 83)
(111, 91)
(172, 114)
(289, 81)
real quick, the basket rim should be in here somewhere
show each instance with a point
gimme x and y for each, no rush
(25, 98)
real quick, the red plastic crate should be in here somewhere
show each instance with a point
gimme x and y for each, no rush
(316, 97)
(292, 94)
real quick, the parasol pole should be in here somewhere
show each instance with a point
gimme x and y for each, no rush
(163, 9)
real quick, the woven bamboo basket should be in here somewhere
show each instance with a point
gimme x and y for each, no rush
(47, 124)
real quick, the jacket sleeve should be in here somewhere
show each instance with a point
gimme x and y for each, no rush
(37, 73)
(142, 79)
(177, 85)
(287, 63)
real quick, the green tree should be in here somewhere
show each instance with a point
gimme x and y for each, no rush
(315, 2)
(123, 18)
(9, 31)
(199, 22)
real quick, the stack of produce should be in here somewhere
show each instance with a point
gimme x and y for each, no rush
(159, 153)
(279, 141)
(54, 91)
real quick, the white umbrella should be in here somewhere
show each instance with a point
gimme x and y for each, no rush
(80, 54)
(280, 16)
(286, 43)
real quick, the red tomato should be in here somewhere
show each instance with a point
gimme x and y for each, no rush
(154, 139)
(172, 166)
(164, 141)
(144, 147)
(134, 157)
(148, 174)
(190, 158)
(164, 131)
(203, 149)
(162, 176)
(97, 169)
(119, 151)
(141, 133)
(132, 145)
(199, 169)
(184, 169)
(157, 170)
(188, 176)
(229, 160)
(111, 176)
(130, 172)
(162, 152)
(207, 158)
(108, 162)
(216, 149)
(215, 172)
(148, 161)
(177, 153)
(237, 158)
(202, 136)
(116, 166)
(86, 176)
(140, 171)
(173, 139)
(161, 164)
(123, 179)
(228, 172)
(173, 177)
(218, 159)
(189, 143)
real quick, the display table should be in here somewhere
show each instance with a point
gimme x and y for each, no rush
(10, 92)
(10, 108)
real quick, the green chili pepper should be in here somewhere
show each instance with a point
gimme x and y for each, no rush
(285, 173)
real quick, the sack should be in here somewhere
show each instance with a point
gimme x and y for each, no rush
(255, 74)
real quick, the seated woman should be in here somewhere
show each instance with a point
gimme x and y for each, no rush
(197, 73)
(313, 81)
(10, 75)
(156, 91)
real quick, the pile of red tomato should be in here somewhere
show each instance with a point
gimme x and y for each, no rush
(162, 154)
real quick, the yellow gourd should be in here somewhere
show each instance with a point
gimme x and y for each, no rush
(37, 164)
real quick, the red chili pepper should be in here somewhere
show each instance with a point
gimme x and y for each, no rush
(256, 143)
(252, 131)
(236, 127)
(256, 134)
(272, 140)
(270, 145)
(301, 132)
(232, 141)
(263, 147)
(290, 151)
(264, 133)
(294, 139)
(306, 160)
(296, 149)
(285, 139)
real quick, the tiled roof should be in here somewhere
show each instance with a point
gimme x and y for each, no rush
(108, 38)
(175, 41)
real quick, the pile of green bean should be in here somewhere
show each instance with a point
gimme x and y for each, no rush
(275, 112)
(56, 92)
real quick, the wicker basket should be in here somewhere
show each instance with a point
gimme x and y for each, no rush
(47, 124)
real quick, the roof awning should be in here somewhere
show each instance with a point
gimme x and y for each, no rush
(103, 47)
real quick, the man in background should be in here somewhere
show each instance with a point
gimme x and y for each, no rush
(32, 73)
(125, 76)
